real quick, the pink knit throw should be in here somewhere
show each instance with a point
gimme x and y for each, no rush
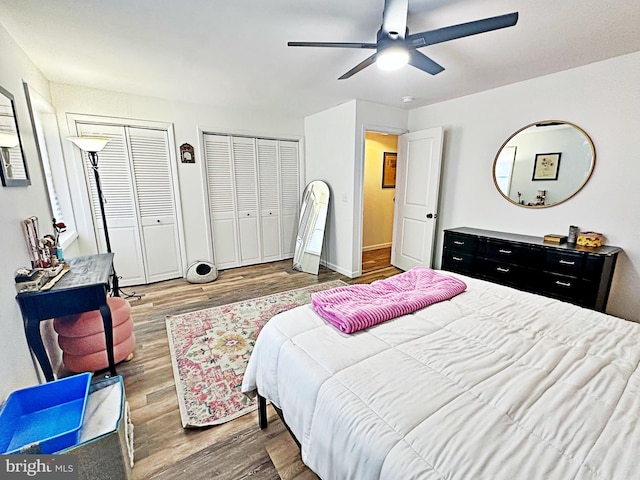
(356, 307)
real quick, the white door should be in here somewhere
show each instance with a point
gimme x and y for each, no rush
(417, 187)
(222, 200)
(119, 203)
(269, 186)
(246, 184)
(289, 194)
(138, 191)
(156, 205)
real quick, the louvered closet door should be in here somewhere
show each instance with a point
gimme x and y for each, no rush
(222, 205)
(120, 206)
(156, 204)
(269, 188)
(289, 194)
(246, 183)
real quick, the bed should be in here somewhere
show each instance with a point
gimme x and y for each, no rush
(494, 383)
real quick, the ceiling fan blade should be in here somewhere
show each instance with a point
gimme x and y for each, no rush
(394, 17)
(361, 66)
(332, 44)
(445, 34)
(424, 63)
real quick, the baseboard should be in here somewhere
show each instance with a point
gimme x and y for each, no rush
(376, 247)
(338, 269)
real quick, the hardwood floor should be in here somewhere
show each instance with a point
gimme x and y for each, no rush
(237, 449)
(377, 259)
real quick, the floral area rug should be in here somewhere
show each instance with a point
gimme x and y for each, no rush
(210, 350)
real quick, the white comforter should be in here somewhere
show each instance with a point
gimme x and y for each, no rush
(493, 384)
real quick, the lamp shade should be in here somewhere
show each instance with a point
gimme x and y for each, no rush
(89, 144)
(8, 139)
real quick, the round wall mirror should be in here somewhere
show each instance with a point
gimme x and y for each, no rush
(544, 164)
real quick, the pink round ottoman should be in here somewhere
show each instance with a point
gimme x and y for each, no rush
(81, 337)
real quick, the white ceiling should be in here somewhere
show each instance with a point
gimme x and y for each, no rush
(233, 53)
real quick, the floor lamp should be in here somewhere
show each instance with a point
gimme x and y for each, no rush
(93, 145)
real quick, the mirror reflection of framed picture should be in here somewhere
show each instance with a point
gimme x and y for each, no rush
(389, 169)
(546, 166)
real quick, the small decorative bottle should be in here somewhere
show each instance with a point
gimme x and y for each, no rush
(573, 234)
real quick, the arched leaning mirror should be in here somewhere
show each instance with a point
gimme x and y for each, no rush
(13, 168)
(313, 217)
(544, 164)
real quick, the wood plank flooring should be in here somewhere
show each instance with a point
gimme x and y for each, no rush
(237, 449)
(377, 259)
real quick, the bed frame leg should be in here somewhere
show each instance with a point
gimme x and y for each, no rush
(262, 412)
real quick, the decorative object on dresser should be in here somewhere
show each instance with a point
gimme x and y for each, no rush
(573, 273)
(590, 239)
(555, 238)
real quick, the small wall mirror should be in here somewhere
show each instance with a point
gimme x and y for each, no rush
(313, 217)
(544, 164)
(13, 168)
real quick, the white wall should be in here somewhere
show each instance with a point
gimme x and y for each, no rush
(603, 99)
(335, 140)
(188, 121)
(330, 139)
(17, 203)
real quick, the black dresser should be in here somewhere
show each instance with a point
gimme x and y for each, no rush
(576, 274)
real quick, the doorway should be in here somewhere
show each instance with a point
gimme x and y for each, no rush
(380, 152)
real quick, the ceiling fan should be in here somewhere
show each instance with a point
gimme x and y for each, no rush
(396, 47)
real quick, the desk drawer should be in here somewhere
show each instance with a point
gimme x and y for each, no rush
(460, 242)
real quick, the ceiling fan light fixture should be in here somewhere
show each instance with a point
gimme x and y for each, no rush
(392, 58)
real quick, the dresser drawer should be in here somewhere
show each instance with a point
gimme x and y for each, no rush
(504, 251)
(502, 272)
(457, 261)
(567, 263)
(565, 287)
(460, 242)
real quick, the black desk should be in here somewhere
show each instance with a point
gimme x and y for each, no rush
(82, 289)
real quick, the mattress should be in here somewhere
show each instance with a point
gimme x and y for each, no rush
(493, 384)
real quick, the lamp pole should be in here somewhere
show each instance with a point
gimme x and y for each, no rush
(93, 158)
(92, 145)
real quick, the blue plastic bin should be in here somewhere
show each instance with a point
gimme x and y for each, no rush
(45, 418)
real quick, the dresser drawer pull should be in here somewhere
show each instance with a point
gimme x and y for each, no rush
(508, 252)
(503, 270)
(563, 284)
(458, 242)
(458, 259)
(567, 262)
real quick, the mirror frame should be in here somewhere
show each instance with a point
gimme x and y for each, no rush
(14, 182)
(546, 122)
(311, 227)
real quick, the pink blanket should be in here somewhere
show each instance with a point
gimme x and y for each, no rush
(356, 307)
